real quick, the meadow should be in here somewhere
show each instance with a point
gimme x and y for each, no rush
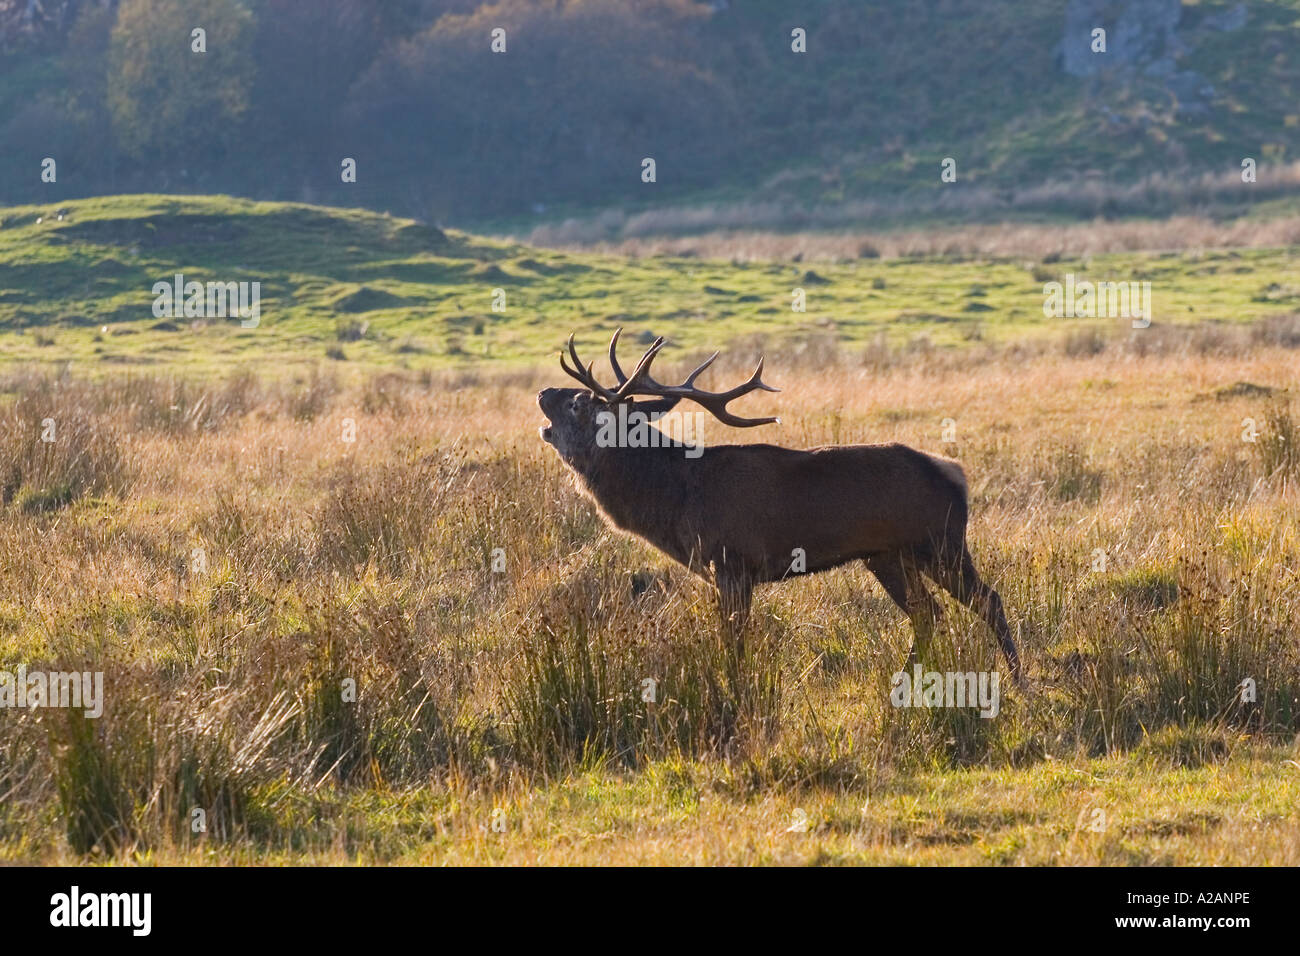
(354, 610)
(362, 290)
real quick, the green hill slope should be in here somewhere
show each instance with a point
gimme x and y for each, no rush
(367, 290)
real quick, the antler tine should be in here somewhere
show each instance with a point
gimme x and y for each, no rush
(584, 372)
(716, 404)
(613, 357)
(690, 379)
(756, 380)
(633, 385)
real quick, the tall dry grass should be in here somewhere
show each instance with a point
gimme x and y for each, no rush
(983, 240)
(278, 610)
(1163, 212)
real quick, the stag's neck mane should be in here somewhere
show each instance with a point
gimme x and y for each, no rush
(645, 490)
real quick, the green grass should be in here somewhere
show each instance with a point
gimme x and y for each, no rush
(1152, 808)
(403, 295)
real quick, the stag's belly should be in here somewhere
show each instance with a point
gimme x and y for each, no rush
(795, 541)
(823, 549)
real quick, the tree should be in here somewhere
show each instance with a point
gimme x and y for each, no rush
(168, 101)
(582, 94)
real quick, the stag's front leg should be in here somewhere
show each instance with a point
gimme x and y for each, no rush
(735, 593)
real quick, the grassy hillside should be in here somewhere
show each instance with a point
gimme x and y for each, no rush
(375, 291)
(897, 86)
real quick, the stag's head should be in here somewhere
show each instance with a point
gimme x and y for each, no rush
(576, 413)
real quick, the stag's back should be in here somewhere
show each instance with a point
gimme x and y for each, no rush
(836, 503)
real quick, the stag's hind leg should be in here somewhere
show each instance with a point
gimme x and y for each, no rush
(960, 579)
(903, 583)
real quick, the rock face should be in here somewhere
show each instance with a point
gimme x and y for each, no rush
(1145, 30)
(1144, 37)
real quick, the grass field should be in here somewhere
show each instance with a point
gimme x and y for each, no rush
(238, 530)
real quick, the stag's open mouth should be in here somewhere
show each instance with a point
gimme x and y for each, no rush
(543, 399)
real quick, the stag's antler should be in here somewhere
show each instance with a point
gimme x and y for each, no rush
(584, 372)
(640, 383)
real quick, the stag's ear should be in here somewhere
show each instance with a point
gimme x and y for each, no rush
(653, 407)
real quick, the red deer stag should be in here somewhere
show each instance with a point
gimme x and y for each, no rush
(737, 514)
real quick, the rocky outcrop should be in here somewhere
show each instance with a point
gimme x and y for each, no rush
(1143, 38)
